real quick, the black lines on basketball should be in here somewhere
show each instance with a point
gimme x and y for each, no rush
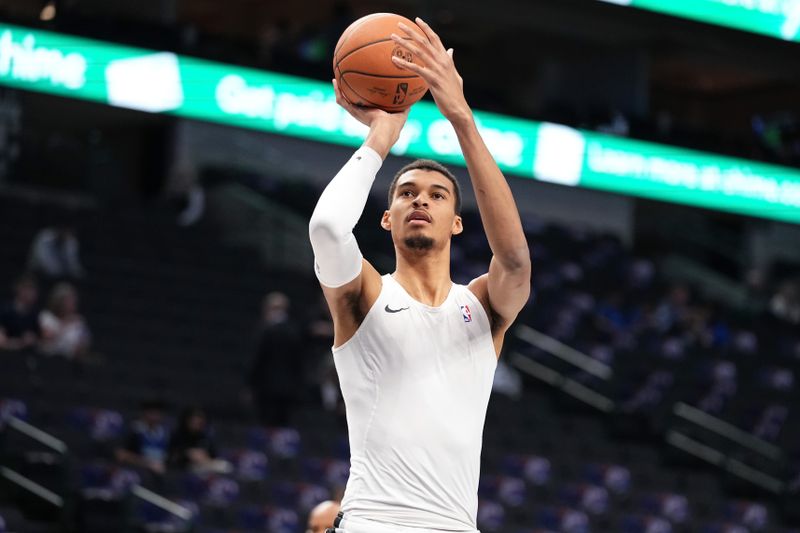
(363, 66)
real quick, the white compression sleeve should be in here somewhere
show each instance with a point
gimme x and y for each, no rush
(336, 255)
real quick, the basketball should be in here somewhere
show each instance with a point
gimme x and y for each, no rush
(363, 67)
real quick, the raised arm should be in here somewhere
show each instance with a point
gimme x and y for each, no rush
(350, 284)
(506, 287)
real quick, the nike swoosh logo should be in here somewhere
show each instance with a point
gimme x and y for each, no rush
(390, 310)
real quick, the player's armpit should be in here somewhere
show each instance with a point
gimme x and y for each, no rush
(350, 303)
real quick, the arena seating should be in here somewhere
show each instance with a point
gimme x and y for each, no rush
(173, 314)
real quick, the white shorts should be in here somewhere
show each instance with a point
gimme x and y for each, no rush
(361, 525)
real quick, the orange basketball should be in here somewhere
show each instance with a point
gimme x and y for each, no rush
(362, 64)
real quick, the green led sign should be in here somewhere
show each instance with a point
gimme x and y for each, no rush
(776, 18)
(163, 82)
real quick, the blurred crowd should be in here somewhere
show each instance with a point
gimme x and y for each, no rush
(57, 328)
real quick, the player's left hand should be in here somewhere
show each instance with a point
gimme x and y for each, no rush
(439, 71)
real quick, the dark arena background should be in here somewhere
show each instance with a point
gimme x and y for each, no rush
(165, 358)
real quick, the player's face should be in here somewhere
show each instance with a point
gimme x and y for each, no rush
(423, 209)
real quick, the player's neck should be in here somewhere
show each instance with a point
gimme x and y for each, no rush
(425, 277)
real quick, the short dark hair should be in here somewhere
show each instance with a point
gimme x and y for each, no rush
(428, 164)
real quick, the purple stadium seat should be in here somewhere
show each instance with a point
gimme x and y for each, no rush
(616, 478)
(753, 515)
(333, 472)
(213, 490)
(302, 496)
(10, 407)
(724, 528)
(591, 498)
(283, 443)
(491, 515)
(645, 524)
(249, 465)
(564, 519)
(672, 506)
(104, 480)
(535, 469)
(272, 519)
(102, 425)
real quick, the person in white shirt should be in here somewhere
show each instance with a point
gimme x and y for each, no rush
(416, 353)
(64, 330)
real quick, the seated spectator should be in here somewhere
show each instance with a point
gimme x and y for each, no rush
(147, 441)
(64, 331)
(19, 319)
(191, 445)
(54, 254)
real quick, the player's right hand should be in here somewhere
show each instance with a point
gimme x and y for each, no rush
(371, 116)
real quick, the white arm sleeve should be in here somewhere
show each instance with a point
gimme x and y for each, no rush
(337, 259)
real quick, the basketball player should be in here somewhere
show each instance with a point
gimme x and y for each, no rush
(415, 353)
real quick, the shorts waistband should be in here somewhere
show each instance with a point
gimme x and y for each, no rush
(343, 524)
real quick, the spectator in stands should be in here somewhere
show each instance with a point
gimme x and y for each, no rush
(55, 253)
(19, 319)
(785, 304)
(64, 330)
(147, 441)
(322, 516)
(277, 371)
(192, 446)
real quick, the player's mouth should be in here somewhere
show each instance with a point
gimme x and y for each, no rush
(418, 218)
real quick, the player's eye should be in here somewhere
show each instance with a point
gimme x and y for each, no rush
(406, 193)
(438, 196)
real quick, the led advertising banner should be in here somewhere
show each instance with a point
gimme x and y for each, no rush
(163, 82)
(775, 18)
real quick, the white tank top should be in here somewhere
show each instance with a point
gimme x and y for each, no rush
(416, 382)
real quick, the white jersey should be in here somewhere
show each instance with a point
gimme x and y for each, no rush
(416, 382)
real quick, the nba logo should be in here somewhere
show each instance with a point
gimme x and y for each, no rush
(466, 314)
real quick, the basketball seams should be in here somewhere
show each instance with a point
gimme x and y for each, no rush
(350, 30)
(365, 62)
(383, 76)
(354, 50)
(376, 104)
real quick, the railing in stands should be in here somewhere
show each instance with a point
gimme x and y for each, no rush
(58, 446)
(740, 441)
(684, 413)
(557, 379)
(161, 502)
(38, 435)
(31, 486)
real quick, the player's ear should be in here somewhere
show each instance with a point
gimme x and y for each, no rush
(386, 222)
(458, 226)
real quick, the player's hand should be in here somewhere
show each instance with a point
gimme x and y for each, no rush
(371, 116)
(384, 127)
(439, 71)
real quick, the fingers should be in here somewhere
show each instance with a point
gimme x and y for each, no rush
(415, 50)
(408, 65)
(338, 93)
(421, 39)
(432, 36)
(341, 99)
